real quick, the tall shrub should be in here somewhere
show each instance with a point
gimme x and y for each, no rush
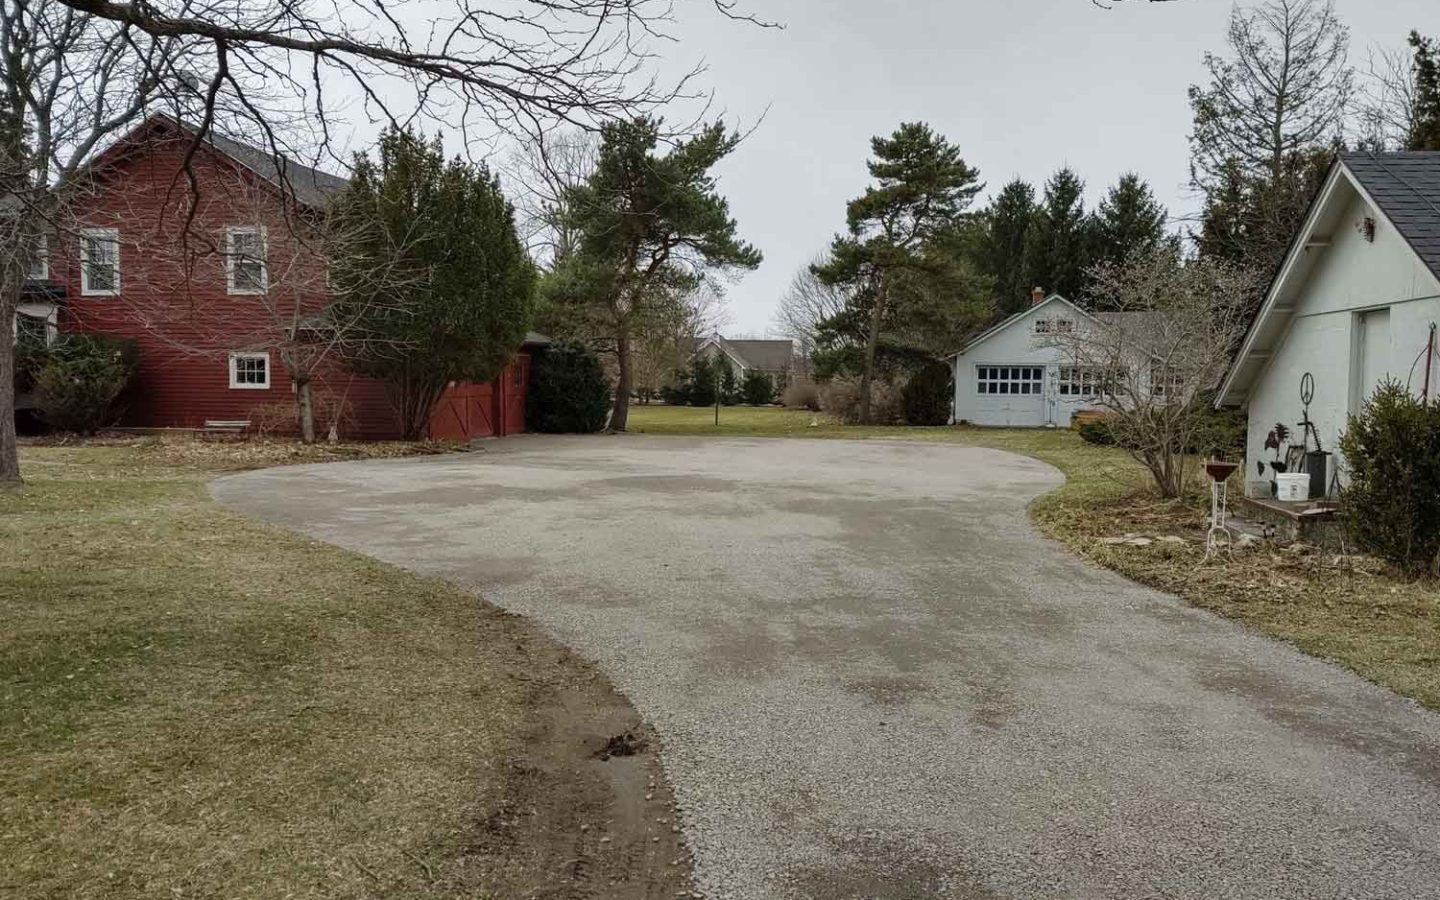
(459, 287)
(927, 397)
(79, 385)
(1392, 503)
(568, 391)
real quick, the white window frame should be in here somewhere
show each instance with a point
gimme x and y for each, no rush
(1054, 326)
(236, 384)
(1009, 381)
(40, 267)
(1081, 382)
(231, 256)
(86, 235)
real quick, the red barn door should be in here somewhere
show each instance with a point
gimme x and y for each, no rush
(465, 411)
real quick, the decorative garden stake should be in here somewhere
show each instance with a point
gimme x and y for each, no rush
(1219, 534)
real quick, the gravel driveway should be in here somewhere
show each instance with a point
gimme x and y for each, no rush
(874, 679)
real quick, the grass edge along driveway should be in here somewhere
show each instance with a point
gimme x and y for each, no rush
(1354, 614)
(195, 704)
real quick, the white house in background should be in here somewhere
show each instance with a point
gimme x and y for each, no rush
(1355, 302)
(1009, 376)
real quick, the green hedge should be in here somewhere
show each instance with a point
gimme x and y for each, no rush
(569, 393)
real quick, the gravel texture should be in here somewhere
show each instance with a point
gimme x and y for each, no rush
(874, 679)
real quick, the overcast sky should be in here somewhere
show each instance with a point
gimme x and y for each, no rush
(1021, 86)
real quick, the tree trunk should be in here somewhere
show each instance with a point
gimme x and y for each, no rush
(872, 343)
(305, 405)
(9, 449)
(620, 416)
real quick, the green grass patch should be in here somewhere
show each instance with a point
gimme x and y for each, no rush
(194, 704)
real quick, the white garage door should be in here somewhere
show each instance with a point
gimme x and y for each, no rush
(1010, 395)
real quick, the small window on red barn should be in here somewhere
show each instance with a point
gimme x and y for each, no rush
(250, 371)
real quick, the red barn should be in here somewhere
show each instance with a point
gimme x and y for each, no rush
(209, 279)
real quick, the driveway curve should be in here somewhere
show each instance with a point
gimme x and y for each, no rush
(874, 679)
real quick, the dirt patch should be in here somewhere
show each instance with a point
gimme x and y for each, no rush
(586, 810)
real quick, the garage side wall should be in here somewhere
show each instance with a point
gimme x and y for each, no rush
(1354, 277)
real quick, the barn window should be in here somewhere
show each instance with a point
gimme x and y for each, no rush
(1027, 380)
(250, 371)
(40, 263)
(100, 262)
(245, 260)
(1054, 326)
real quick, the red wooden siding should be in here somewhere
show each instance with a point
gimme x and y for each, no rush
(175, 304)
(497, 408)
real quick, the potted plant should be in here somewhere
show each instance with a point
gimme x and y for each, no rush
(1275, 440)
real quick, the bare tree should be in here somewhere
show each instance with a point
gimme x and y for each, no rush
(1284, 88)
(1387, 102)
(1153, 363)
(543, 174)
(805, 304)
(76, 73)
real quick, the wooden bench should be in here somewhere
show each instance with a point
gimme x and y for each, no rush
(226, 426)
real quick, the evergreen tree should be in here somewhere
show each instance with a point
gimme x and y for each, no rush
(463, 296)
(568, 392)
(1250, 219)
(1007, 225)
(649, 227)
(1058, 247)
(1425, 129)
(1128, 220)
(921, 192)
(758, 389)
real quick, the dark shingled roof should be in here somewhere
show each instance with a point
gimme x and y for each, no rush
(311, 187)
(1407, 188)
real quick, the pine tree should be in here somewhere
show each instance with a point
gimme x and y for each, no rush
(921, 192)
(1058, 247)
(1129, 220)
(1008, 224)
(1425, 130)
(649, 226)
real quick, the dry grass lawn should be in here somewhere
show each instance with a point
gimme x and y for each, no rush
(199, 705)
(1351, 611)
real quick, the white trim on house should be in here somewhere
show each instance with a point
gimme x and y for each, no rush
(232, 256)
(236, 382)
(710, 341)
(46, 313)
(996, 329)
(112, 236)
(1252, 361)
(40, 265)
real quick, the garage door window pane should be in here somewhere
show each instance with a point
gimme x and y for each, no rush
(1009, 380)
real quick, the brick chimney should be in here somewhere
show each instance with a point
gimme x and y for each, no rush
(1037, 296)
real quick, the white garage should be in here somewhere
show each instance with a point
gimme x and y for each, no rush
(1007, 376)
(1356, 303)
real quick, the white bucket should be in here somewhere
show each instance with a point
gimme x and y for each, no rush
(1292, 487)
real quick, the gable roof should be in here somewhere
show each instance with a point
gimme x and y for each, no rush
(1403, 188)
(763, 355)
(310, 186)
(1406, 187)
(990, 332)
